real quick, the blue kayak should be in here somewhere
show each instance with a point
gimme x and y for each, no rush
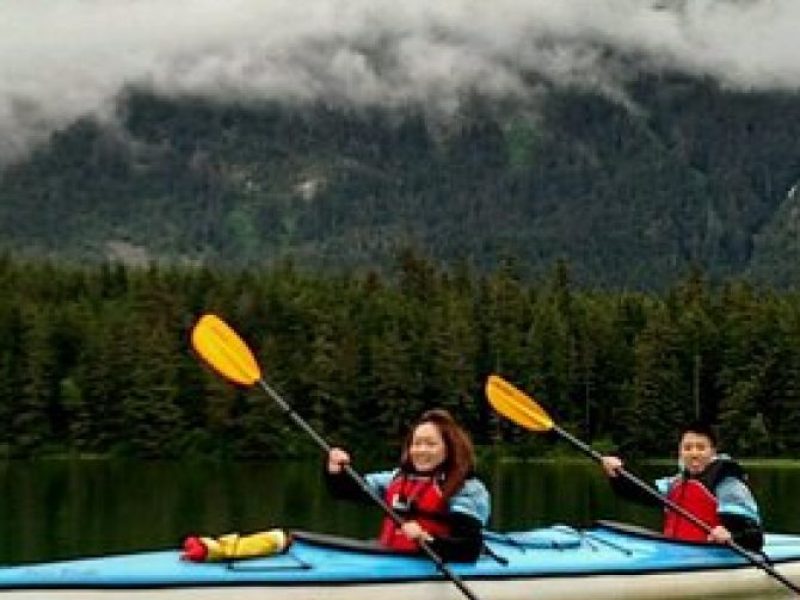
(606, 561)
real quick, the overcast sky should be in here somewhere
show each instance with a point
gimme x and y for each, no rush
(63, 59)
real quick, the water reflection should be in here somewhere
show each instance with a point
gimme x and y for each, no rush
(59, 509)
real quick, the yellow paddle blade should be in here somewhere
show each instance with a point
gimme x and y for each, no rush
(516, 405)
(223, 349)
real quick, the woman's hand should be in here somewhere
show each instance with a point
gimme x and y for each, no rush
(720, 535)
(612, 465)
(413, 531)
(337, 459)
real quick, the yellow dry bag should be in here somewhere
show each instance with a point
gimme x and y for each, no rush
(233, 545)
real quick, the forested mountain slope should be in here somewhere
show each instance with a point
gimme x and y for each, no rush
(629, 192)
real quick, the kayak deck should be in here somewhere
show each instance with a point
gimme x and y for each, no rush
(612, 559)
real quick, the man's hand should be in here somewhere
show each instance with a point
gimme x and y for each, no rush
(337, 459)
(720, 535)
(612, 465)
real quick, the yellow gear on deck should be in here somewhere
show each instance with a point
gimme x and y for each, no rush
(233, 545)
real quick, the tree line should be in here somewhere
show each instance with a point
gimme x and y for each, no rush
(96, 359)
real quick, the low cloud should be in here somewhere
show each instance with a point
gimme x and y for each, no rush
(64, 59)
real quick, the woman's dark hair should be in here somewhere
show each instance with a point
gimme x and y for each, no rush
(700, 427)
(459, 462)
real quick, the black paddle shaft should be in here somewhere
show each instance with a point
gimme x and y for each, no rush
(754, 559)
(392, 514)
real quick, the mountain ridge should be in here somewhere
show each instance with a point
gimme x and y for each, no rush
(629, 196)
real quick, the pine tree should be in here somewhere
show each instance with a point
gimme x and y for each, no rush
(660, 389)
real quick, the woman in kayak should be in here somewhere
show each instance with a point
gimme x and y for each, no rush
(434, 490)
(711, 486)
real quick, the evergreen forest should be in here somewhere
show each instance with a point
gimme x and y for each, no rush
(95, 359)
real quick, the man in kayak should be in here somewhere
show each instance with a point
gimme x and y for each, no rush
(711, 486)
(434, 490)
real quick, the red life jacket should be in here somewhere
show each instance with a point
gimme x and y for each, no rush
(417, 498)
(697, 499)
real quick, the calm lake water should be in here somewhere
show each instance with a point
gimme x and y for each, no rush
(59, 509)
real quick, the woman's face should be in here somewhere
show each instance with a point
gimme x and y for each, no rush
(427, 450)
(696, 452)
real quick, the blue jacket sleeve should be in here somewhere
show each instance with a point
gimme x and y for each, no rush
(739, 513)
(469, 513)
(342, 486)
(473, 501)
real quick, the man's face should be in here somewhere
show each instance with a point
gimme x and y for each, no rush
(696, 452)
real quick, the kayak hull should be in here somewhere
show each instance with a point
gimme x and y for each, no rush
(609, 561)
(601, 587)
